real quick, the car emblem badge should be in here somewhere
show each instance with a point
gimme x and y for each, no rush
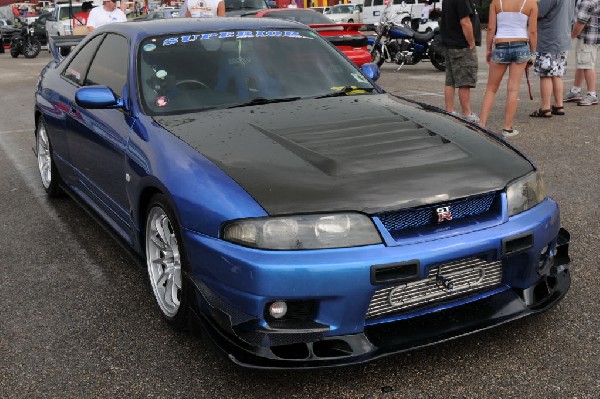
(444, 213)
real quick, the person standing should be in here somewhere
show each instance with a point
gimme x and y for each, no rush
(426, 11)
(459, 40)
(80, 19)
(108, 13)
(511, 40)
(202, 8)
(587, 32)
(554, 40)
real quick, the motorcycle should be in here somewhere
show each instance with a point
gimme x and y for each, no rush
(404, 46)
(24, 43)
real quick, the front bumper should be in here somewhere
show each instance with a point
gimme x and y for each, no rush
(399, 336)
(240, 282)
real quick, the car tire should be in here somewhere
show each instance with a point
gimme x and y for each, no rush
(14, 53)
(46, 166)
(166, 263)
(406, 21)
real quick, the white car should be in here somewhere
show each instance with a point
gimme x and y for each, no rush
(322, 10)
(346, 13)
(428, 26)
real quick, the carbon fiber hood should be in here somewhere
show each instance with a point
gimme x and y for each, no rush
(366, 153)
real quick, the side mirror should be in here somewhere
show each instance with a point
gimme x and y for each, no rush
(371, 70)
(97, 97)
(50, 18)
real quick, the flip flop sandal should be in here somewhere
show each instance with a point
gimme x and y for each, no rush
(541, 113)
(558, 110)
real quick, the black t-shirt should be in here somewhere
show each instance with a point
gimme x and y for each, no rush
(452, 12)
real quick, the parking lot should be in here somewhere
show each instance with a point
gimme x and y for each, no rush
(78, 318)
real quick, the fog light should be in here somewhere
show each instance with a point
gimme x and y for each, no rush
(278, 309)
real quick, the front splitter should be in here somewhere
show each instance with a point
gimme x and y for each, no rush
(399, 336)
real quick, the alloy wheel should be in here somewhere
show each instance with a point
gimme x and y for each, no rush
(44, 157)
(163, 261)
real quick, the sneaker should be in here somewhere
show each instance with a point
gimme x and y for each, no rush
(475, 119)
(589, 99)
(572, 97)
(509, 133)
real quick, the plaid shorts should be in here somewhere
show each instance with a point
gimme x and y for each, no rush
(550, 64)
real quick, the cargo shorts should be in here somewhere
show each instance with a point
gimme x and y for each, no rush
(585, 54)
(461, 67)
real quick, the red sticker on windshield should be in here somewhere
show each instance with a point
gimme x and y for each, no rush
(161, 101)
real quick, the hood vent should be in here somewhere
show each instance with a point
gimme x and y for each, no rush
(365, 145)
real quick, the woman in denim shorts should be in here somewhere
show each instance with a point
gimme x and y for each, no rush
(511, 41)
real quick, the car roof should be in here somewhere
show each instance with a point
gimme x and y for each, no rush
(182, 25)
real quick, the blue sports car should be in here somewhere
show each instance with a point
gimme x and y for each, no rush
(279, 196)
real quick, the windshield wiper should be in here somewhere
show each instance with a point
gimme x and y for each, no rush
(262, 100)
(346, 90)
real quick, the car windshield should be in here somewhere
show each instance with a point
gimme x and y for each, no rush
(63, 12)
(245, 5)
(341, 10)
(205, 70)
(306, 17)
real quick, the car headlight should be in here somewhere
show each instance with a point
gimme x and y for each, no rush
(337, 230)
(525, 193)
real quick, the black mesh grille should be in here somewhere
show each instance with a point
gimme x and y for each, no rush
(404, 219)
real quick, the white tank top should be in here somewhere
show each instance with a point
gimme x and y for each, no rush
(511, 25)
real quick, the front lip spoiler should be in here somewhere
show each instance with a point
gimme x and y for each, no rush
(405, 335)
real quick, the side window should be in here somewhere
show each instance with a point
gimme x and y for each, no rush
(109, 67)
(77, 68)
(377, 2)
(368, 3)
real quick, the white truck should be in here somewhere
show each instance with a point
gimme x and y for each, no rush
(397, 11)
(60, 23)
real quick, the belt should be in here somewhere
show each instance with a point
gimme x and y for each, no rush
(510, 44)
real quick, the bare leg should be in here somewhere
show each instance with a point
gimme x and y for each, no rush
(590, 79)
(578, 78)
(496, 72)
(449, 98)
(515, 73)
(464, 98)
(545, 91)
(557, 90)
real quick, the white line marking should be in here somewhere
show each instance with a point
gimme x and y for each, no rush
(17, 131)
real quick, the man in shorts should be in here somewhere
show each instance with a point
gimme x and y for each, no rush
(105, 14)
(554, 40)
(459, 40)
(587, 32)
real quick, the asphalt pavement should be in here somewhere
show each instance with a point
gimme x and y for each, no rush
(78, 318)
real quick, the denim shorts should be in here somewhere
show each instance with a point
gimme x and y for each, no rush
(505, 54)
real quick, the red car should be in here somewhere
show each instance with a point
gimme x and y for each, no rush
(345, 37)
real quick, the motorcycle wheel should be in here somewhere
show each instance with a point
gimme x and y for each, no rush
(437, 60)
(377, 56)
(32, 48)
(14, 53)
